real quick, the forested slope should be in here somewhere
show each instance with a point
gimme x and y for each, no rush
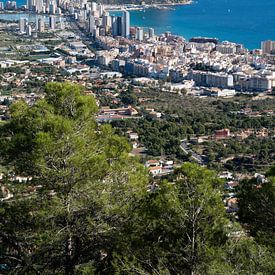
(88, 207)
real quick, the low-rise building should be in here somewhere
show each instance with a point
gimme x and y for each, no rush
(222, 134)
(209, 79)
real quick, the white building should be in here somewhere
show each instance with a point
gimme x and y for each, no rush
(92, 24)
(38, 5)
(29, 30)
(255, 83)
(126, 24)
(23, 25)
(226, 48)
(155, 170)
(41, 25)
(52, 8)
(209, 79)
(226, 93)
(139, 34)
(151, 33)
(268, 47)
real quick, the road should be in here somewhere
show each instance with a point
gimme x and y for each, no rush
(184, 147)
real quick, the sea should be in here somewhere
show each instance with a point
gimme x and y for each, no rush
(243, 21)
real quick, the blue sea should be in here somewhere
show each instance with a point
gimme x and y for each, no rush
(244, 21)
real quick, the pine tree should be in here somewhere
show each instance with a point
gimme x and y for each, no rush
(83, 177)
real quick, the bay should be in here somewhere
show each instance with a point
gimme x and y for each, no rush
(243, 21)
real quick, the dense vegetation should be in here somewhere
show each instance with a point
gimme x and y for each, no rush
(90, 208)
(186, 117)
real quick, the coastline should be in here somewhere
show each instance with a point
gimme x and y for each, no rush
(161, 6)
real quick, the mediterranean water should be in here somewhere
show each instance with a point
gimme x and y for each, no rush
(243, 21)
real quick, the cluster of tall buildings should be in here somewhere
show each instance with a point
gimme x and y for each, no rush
(23, 24)
(40, 24)
(121, 25)
(41, 6)
(38, 6)
(99, 22)
(9, 5)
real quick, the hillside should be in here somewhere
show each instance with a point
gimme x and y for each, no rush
(75, 202)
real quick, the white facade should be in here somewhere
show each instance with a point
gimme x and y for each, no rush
(23, 25)
(126, 24)
(268, 47)
(139, 34)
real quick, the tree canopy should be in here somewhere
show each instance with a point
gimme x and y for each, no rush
(82, 174)
(87, 207)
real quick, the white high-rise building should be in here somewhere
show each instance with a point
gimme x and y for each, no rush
(23, 24)
(94, 6)
(41, 25)
(96, 34)
(268, 47)
(106, 20)
(83, 3)
(71, 10)
(151, 33)
(84, 14)
(30, 4)
(10, 5)
(38, 5)
(100, 10)
(126, 24)
(52, 8)
(29, 30)
(2, 6)
(92, 26)
(36, 23)
(61, 23)
(139, 34)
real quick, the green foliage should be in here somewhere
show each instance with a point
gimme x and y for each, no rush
(257, 207)
(157, 136)
(69, 101)
(128, 98)
(186, 117)
(175, 225)
(90, 208)
(241, 256)
(84, 179)
(16, 70)
(181, 228)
